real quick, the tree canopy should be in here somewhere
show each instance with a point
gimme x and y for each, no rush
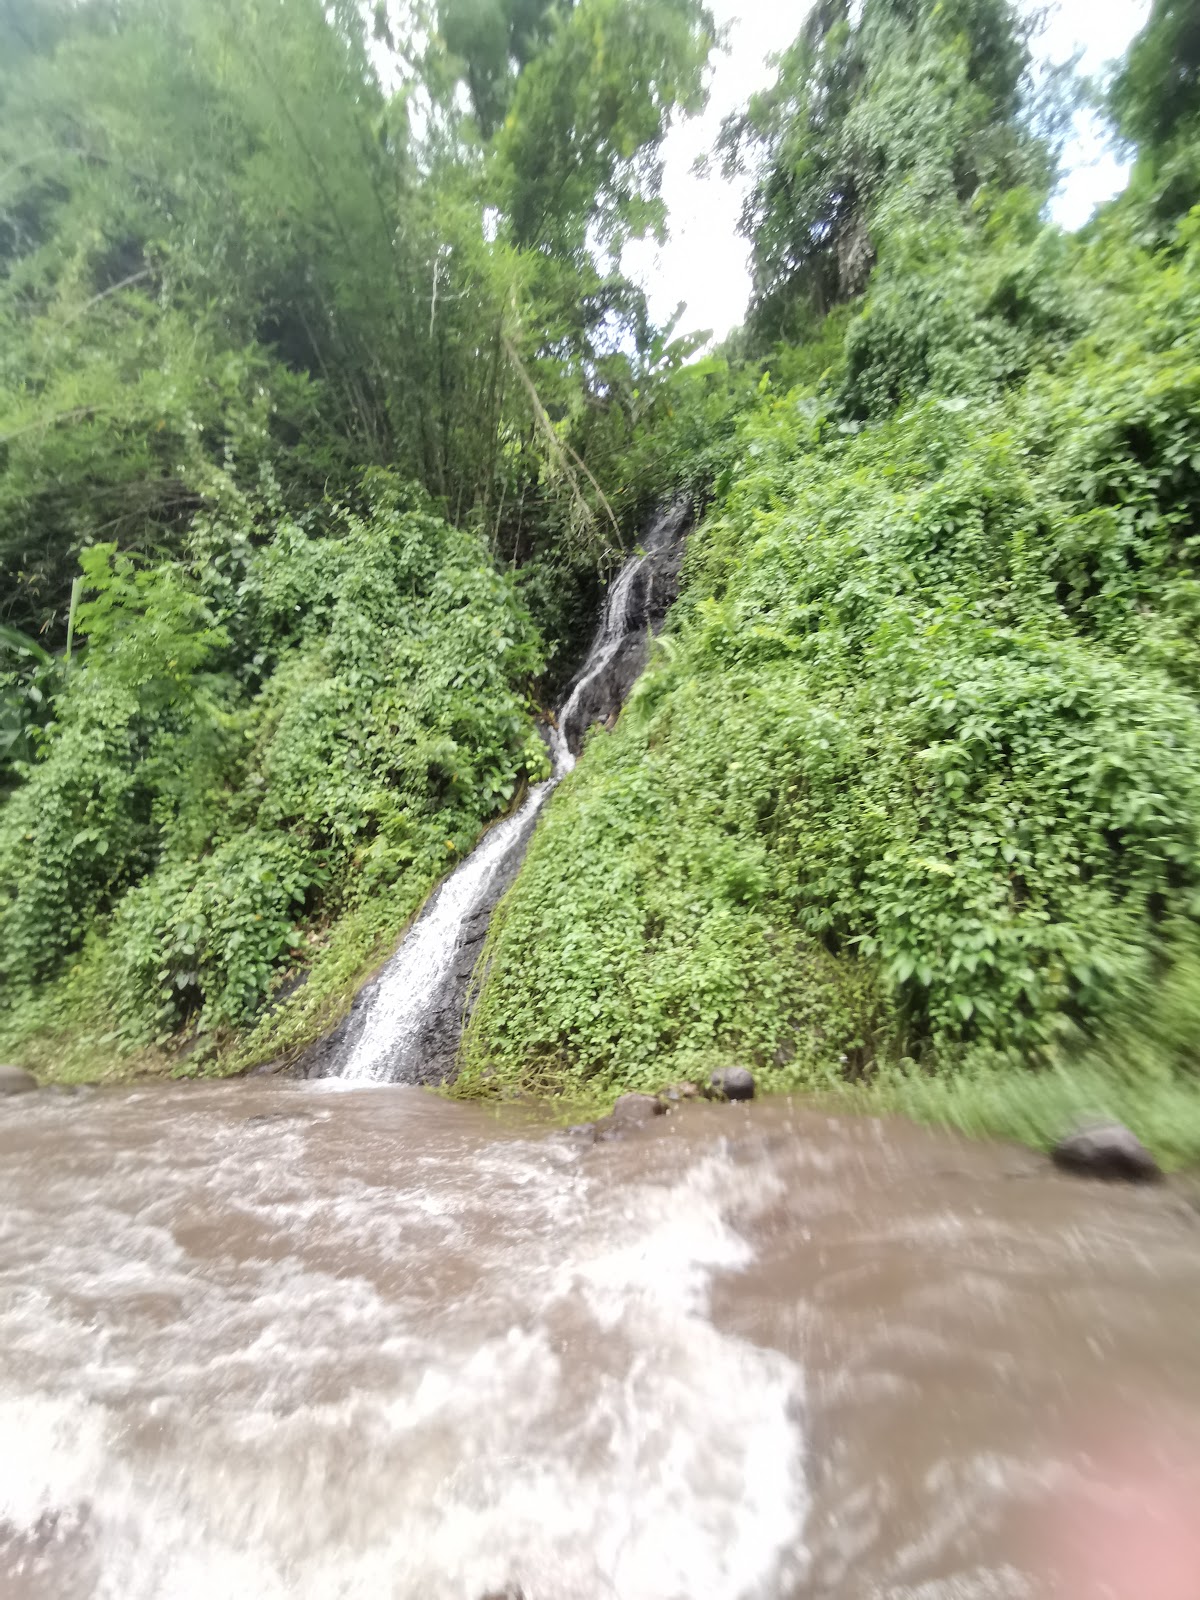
(887, 106)
(227, 252)
(1158, 90)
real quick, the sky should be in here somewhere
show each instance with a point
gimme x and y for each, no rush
(704, 262)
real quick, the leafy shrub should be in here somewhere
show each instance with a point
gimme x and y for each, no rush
(29, 678)
(959, 311)
(213, 786)
(917, 770)
(206, 938)
(73, 836)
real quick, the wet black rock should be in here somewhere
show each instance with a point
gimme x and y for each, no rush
(648, 590)
(637, 1108)
(1106, 1150)
(732, 1083)
(15, 1080)
(631, 1113)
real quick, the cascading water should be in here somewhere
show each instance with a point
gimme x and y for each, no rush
(617, 624)
(405, 1026)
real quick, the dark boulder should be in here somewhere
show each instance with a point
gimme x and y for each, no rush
(631, 1113)
(268, 1069)
(1106, 1150)
(15, 1080)
(732, 1083)
(637, 1108)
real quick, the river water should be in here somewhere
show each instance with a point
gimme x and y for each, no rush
(271, 1339)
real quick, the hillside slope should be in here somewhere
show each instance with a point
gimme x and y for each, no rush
(913, 785)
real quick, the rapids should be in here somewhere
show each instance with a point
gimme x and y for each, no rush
(284, 1339)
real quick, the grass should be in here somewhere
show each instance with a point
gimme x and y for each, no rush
(1140, 1076)
(353, 950)
(985, 1097)
(66, 1033)
(1037, 1108)
(983, 1101)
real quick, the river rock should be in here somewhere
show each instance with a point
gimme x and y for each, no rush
(732, 1083)
(1106, 1150)
(676, 1092)
(268, 1069)
(637, 1108)
(15, 1080)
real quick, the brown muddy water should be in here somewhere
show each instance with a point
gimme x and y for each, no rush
(263, 1340)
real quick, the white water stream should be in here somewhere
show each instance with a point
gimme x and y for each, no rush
(360, 1347)
(398, 1004)
(424, 959)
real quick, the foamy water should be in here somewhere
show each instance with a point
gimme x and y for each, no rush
(398, 1003)
(362, 1353)
(326, 1342)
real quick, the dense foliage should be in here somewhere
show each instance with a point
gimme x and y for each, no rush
(328, 714)
(909, 108)
(310, 372)
(325, 404)
(1156, 98)
(917, 772)
(227, 253)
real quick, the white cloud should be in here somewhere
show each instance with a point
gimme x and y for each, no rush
(704, 262)
(1102, 30)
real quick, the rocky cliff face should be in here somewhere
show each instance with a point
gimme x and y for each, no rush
(646, 590)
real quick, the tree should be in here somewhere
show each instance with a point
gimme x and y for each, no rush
(1156, 101)
(1158, 89)
(495, 40)
(910, 101)
(228, 257)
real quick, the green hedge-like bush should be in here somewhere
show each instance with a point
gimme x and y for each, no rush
(250, 746)
(918, 766)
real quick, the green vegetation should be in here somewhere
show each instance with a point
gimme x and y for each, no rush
(324, 411)
(208, 817)
(910, 798)
(307, 386)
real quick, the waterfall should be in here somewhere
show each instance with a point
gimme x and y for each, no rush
(617, 622)
(405, 1025)
(425, 960)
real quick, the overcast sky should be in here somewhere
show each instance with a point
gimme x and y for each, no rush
(704, 262)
